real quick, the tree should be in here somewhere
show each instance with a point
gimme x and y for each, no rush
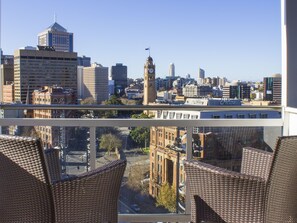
(113, 100)
(140, 135)
(88, 101)
(110, 142)
(167, 197)
(137, 174)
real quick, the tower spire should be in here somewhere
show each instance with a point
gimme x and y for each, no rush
(55, 17)
(149, 49)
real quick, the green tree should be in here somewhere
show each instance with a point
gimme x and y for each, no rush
(88, 101)
(113, 100)
(140, 135)
(167, 197)
(110, 142)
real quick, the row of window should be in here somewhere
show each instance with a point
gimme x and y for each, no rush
(261, 115)
(188, 116)
(47, 58)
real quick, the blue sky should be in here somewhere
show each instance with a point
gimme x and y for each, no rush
(237, 39)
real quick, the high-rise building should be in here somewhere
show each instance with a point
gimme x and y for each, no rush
(6, 78)
(237, 90)
(149, 88)
(201, 73)
(56, 36)
(84, 61)
(171, 70)
(201, 76)
(95, 79)
(34, 69)
(273, 88)
(118, 73)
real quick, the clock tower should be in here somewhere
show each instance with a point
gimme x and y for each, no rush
(149, 88)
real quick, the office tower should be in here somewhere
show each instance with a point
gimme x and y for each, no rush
(201, 73)
(171, 70)
(34, 69)
(215, 81)
(95, 79)
(6, 59)
(273, 88)
(201, 76)
(110, 87)
(53, 136)
(118, 73)
(149, 89)
(237, 90)
(6, 79)
(84, 61)
(56, 36)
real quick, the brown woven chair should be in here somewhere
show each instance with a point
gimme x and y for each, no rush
(264, 191)
(29, 193)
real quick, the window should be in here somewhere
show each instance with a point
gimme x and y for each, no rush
(240, 116)
(252, 115)
(186, 116)
(171, 115)
(216, 116)
(178, 115)
(263, 115)
(228, 116)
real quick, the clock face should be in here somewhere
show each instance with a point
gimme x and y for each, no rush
(151, 70)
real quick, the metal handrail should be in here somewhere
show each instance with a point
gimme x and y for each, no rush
(134, 107)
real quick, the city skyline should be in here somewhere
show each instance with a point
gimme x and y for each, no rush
(233, 39)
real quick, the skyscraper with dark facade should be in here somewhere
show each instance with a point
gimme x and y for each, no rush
(56, 36)
(237, 90)
(84, 61)
(273, 88)
(118, 73)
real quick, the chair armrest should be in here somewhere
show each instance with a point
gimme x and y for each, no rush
(90, 197)
(256, 162)
(224, 196)
(52, 159)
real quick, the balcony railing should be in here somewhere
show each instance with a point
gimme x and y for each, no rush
(93, 123)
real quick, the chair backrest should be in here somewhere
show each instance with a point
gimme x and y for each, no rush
(281, 197)
(25, 194)
(52, 158)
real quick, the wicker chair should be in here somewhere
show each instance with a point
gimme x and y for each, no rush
(264, 191)
(31, 191)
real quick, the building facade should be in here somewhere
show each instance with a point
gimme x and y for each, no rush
(95, 80)
(34, 69)
(84, 61)
(53, 136)
(149, 88)
(172, 70)
(165, 160)
(193, 90)
(237, 90)
(273, 88)
(56, 36)
(6, 78)
(118, 73)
